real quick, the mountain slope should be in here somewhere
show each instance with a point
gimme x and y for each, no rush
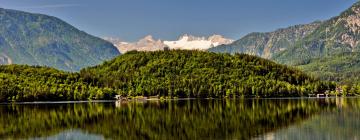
(35, 39)
(267, 44)
(338, 35)
(331, 52)
(343, 68)
(328, 50)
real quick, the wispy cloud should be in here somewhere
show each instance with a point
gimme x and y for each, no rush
(50, 6)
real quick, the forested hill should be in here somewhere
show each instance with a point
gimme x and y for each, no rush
(36, 39)
(200, 74)
(164, 73)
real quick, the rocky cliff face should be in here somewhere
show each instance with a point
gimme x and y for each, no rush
(268, 44)
(339, 35)
(352, 28)
(220, 39)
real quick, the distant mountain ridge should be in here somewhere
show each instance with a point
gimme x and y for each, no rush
(340, 34)
(328, 49)
(148, 43)
(36, 39)
(185, 42)
(189, 42)
(300, 43)
(331, 52)
(267, 44)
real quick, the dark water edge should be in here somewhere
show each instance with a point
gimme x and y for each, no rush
(58, 102)
(176, 99)
(182, 119)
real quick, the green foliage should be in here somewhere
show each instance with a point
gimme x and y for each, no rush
(327, 50)
(25, 83)
(36, 39)
(174, 74)
(200, 74)
(343, 68)
(332, 37)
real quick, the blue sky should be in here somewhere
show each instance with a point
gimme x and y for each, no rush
(168, 19)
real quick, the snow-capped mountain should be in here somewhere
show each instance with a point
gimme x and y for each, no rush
(148, 43)
(187, 42)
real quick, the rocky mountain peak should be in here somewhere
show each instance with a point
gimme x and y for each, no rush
(187, 37)
(345, 29)
(148, 43)
(220, 39)
(185, 41)
(148, 38)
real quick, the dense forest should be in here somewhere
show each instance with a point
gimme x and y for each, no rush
(31, 83)
(343, 68)
(173, 74)
(200, 74)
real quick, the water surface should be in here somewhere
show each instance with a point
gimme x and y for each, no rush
(335, 118)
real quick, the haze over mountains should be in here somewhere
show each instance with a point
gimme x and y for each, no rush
(185, 42)
(36, 39)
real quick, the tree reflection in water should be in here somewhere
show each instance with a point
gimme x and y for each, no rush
(183, 119)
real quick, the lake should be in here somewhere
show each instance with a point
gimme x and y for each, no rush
(296, 118)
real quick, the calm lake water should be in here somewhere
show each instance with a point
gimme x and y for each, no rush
(335, 118)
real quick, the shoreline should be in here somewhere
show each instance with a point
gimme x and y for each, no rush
(171, 99)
